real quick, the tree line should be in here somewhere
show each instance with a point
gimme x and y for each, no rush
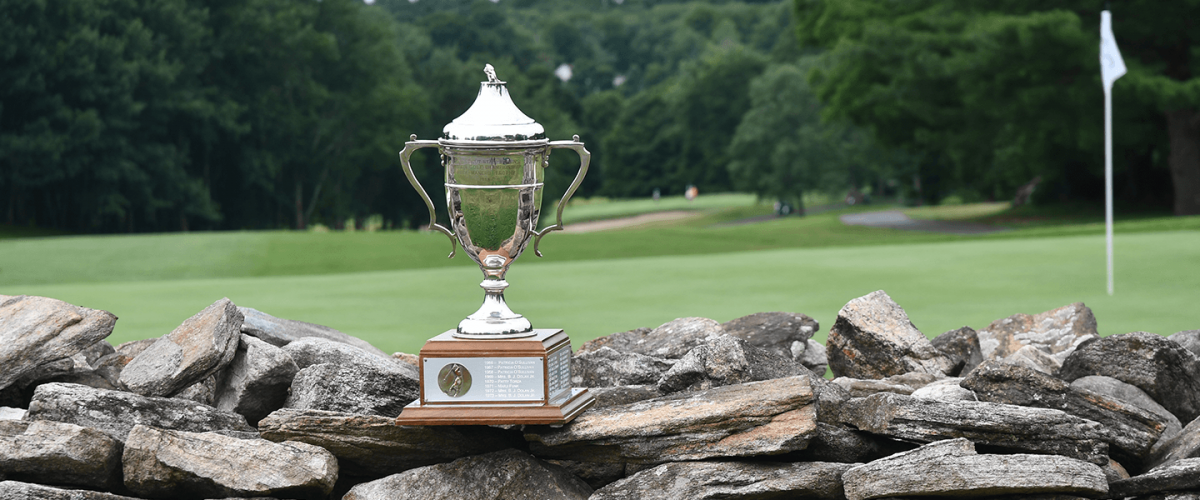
(139, 115)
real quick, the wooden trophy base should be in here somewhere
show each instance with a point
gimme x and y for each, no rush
(523, 381)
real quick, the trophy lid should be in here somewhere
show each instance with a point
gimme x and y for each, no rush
(493, 117)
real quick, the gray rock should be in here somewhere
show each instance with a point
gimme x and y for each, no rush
(1117, 389)
(618, 341)
(131, 349)
(7, 413)
(115, 412)
(945, 390)
(1010, 427)
(73, 370)
(502, 474)
(783, 333)
(671, 340)
(859, 388)
(607, 367)
(830, 399)
(1034, 358)
(372, 446)
(1181, 475)
(904, 383)
(1129, 430)
(730, 480)
(280, 332)
(110, 366)
(203, 392)
(1189, 339)
(953, 468)
(757, 418)
(404, 357)
(15, 490)
(1056, 332)
(314, 351)
(837, 443)
(38, 330)
(595, 474)
(256, 382)
(163, 463)
(192, 352)
(352, 389)
(1167, 372)
(1184, 445)
(622, 395)
(724, 360)
(815, 358)
(96, 351)
(60, 454)
(873, 338)
(961, 347)
(1174, 495)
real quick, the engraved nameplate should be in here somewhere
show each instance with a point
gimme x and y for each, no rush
(558, 369)
(467, 380)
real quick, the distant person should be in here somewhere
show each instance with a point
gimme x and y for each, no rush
(854, 197)
(691, 193)
(656, 195)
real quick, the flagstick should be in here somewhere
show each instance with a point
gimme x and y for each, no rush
(1108, 184)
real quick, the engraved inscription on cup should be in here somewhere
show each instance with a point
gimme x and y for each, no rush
(494, 198)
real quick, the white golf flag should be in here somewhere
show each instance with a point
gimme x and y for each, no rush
(1111, 64)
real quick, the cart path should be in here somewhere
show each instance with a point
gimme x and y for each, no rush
(624, 222)
(895, 219)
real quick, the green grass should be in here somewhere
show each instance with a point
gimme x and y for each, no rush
(941, 285)
(127, 258)
(396, 288)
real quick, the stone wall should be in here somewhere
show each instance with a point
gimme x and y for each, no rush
(237, 403)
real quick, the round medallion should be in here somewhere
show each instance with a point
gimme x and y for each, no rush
(454, 380)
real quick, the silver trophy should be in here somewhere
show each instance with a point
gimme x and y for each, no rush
(494, 159)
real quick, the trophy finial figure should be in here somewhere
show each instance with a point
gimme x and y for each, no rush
(491, 73)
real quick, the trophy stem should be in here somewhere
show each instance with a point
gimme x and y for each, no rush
(494, 320)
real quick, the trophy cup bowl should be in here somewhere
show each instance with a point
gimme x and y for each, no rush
(494, 159)
(495, 368)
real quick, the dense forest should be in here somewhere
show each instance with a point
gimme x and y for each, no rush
(163, 115)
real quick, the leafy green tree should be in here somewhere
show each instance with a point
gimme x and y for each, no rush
(324, 88)
(991, 94)
(101, 106)
(712, 96)
(643, 148)
(783, 148)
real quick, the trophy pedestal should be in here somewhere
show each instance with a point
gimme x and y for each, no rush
(496, 382)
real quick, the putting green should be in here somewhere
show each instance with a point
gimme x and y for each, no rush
(941, 285)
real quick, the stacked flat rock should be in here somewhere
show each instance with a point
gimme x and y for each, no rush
(743, 420)
(236, 403)
(1167, 371)
(1041, 341)
(873, 338)
(196, 350)
(1129, 430)
(502, 474)
(725, 479)
(952, 468)
(116, 413)
(160, 463)
(36, 331)
(372, 446)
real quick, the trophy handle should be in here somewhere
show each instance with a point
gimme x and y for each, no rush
(585, 158)
(412, 145)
